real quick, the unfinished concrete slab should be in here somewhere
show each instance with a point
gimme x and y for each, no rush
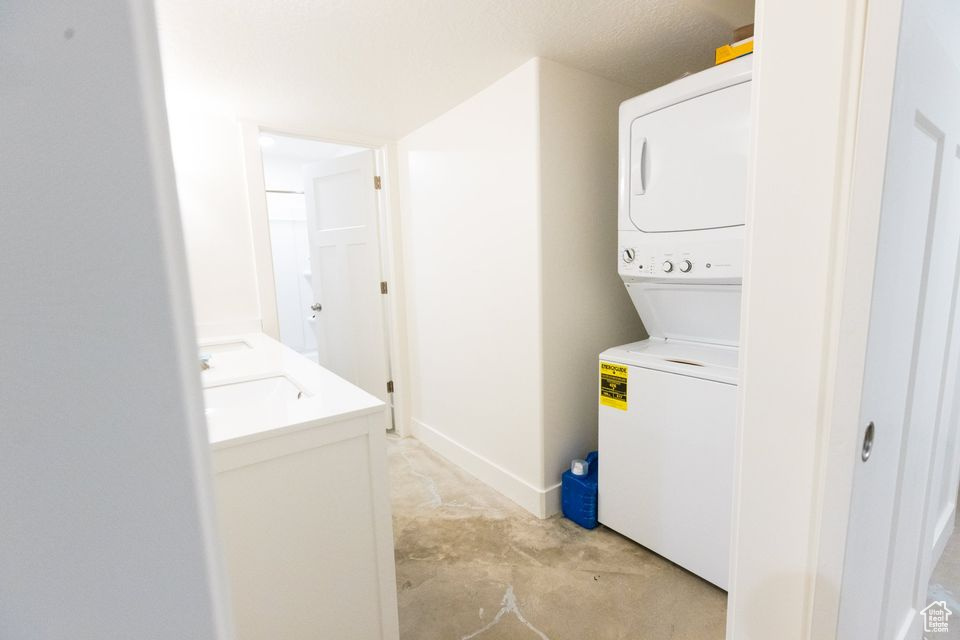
(472, 564)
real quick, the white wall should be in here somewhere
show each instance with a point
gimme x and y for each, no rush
(106, 525)
(799, 372)
(470, 198)
(509, 215)
(211, 182)
(586, 308)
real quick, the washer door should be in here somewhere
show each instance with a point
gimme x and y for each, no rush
(666, 468)
(688, 163)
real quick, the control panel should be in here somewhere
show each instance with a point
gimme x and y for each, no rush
(704, 261)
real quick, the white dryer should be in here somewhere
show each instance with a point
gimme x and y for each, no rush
(668, 403)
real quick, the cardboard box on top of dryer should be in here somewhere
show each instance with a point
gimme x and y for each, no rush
(742, 33)
(741, 46)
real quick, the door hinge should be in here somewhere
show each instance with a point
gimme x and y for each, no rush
(389, 386)
(383, 288)
(377, 183)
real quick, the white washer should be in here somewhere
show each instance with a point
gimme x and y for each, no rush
(668, 404)
(666, 472)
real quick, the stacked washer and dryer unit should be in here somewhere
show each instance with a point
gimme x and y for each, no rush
(668, 403)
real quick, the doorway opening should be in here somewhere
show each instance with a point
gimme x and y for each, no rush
(324, 218)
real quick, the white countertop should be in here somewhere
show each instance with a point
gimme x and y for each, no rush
(325, 397)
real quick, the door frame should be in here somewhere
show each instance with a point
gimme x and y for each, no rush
(390, 239)
(808, 280)
(856, 258)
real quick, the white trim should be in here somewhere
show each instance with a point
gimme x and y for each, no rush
(798, 427)
(542, 503)
(850, 307)
(260, 229)
(550, 500)
(392, 266)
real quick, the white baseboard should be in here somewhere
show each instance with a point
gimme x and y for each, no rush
(542, 503)
(550, 500)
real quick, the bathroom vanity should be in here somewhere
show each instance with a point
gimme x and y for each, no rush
(301, 489)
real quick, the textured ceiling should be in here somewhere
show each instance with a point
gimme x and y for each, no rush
(380, 68)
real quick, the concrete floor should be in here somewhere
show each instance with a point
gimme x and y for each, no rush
(472, 564)
(945, 585)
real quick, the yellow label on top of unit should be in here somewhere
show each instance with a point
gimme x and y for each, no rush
(729, 52)
(613, 385)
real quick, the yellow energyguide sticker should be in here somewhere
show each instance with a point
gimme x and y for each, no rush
(613, 385)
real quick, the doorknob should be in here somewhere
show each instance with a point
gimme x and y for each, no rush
(867, 442)
(316, 307)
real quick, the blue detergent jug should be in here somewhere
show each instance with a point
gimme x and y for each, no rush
(579, 494)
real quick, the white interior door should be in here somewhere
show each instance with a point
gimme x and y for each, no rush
(345, 266)
(904, 497)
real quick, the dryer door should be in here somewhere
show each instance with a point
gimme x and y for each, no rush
(688, 163)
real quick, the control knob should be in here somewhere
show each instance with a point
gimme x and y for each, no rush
(667, 266)
(629, 255)
(685, 266)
